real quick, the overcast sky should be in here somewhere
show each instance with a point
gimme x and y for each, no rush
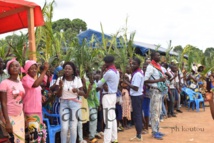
(155, 21)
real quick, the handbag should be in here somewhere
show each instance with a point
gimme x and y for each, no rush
(161, 85)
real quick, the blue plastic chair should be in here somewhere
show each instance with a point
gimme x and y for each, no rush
(199, 99)
(191, 97)
(51, 129)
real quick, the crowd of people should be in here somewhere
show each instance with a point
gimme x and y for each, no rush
(98, 105)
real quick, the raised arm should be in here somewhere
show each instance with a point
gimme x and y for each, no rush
(41, 77)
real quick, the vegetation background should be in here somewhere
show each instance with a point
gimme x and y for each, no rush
(57, 41)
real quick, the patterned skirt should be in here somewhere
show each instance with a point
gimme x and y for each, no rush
(35, 128)
(18, 124)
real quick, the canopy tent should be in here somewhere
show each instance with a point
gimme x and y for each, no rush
(153, 47)
(141, 48)
(18, 14)
(87, 35)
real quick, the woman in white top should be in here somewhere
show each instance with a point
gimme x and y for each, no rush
(70, 87)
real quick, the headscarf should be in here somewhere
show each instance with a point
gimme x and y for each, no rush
(28, 64)
(9, 62)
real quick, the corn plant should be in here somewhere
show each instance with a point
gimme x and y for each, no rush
(168, 56)
(85, 56)
(19, 48)
(124, 50)
(5, 50)
(45, 36)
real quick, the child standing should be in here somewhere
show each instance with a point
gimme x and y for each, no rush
(93, 104)
(119, 110)
(126, 106)
(146, 104)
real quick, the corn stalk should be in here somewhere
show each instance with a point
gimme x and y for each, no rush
(19, 48)
(168, 57)
(45, 36)
(125, 49)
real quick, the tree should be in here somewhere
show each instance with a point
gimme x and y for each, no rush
(61, 24)
(78, 25)
(178, 49)
(209, 51)
(195, 55)
(69, 28)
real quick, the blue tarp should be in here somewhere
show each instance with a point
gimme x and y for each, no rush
(87, 35)
(140, 46)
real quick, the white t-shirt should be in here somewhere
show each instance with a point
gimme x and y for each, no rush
(67, 92)
(181, 76)
(163, 69)
(150, 73)
(172, 83)
(129, 75)
(138, 81)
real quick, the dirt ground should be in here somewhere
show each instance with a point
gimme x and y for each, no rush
(188, 127)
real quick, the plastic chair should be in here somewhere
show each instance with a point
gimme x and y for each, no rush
(191, 97)
(51, 129)
(199, 99)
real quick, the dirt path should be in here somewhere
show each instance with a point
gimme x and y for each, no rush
(187, 127)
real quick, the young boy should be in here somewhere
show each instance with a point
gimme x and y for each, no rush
(93, 104)
(136, 92)
(99, 133)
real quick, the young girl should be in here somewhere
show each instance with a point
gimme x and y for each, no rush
(126, 106)
(70, 87)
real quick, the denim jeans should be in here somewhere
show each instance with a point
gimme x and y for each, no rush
(137, 112)
(69, 113)
(80, 131)
(92, 122)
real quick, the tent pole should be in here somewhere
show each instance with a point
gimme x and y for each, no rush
(31, 34)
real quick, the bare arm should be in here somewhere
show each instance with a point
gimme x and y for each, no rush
(191, 77)
(135, 88)
(39, 80)
(212, 108)
(59, 88)
(41, 77)
(169, 76)
(209, 97)
(155, 81)
(79, 91)
(3, 96)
